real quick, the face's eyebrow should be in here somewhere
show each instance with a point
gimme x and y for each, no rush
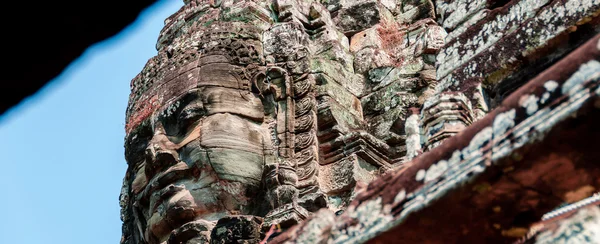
(171, 111)
(166, 120)
(195, 134)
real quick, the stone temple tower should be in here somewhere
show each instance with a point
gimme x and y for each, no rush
(332, 121)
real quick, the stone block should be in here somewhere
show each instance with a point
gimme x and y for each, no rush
(248, 12)
(286, 216)
(331, 114)
(366, 38)
(237, 229)
(342, 175)
(371, 58)
(328, 87)
(354, 83)
(444, 116)
(360, 15)
(411, 11)
(455, 12)
(400, 93)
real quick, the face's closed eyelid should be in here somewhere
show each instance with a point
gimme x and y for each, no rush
(179, 125)
(192, 110)
(189, 115)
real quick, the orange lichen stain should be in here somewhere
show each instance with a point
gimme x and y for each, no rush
(587, 19)
(391, 34)
(145, 110)
(515, 232)
(579, 194)
(392, 38)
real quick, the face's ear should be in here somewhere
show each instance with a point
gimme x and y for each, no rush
(259, 83)
(278, 83)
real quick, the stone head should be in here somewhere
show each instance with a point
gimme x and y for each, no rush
(248, 102)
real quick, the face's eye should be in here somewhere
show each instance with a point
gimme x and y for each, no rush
(189, 116)
(135, 145)
(178, 118)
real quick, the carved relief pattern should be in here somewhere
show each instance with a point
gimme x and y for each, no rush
(258, 113)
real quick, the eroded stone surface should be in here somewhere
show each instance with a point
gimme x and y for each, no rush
(255, 115)
(271, 110)
(495, 177)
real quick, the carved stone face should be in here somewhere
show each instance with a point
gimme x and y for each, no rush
(203, 158)
(269, 109)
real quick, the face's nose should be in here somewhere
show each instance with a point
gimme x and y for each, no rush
(160, 153)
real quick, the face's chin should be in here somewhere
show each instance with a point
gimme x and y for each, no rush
(168, 202)
(175, 207)
(180, 195)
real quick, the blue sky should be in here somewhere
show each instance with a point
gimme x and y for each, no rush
(62, 149)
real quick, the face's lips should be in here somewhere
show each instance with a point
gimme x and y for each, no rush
(193, 229)
(165, 178)
(161, 187)
(165, 193)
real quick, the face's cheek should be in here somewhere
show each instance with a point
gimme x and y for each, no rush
(233, 195)
(204, 176)
(194, 155)
(140, 181)
(188, 198)
(209, 206)
(214, 197)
